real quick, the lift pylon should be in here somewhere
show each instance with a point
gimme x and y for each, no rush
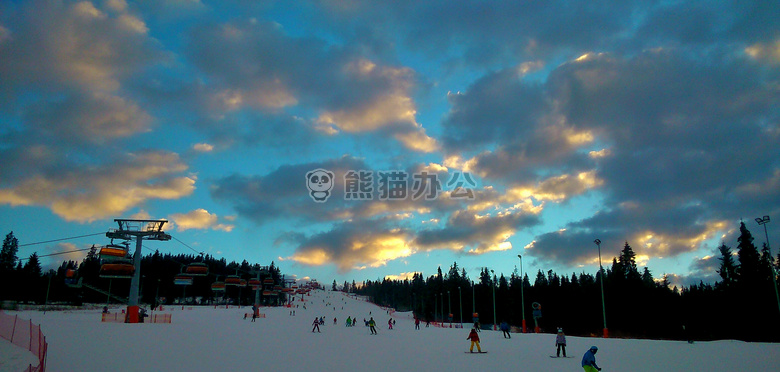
(138, 230)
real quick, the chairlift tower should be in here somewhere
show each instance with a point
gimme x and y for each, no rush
(138, 230)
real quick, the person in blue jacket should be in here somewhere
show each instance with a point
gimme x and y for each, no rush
(589, 360)
(505, 328)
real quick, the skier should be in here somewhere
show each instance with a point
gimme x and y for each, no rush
(560, 343)
(417, 323)
(390, 324)
(505, 328)
(335, 321)
(372, 325)
(316, 325)
(589, 360)
(474, 337)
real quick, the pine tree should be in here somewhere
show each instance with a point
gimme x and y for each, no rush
(749, 271)
(627, 263)
(647, 278)
(8, 253)
(728, 269)
(33, 266)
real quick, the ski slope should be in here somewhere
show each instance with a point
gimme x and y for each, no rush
(209, 339)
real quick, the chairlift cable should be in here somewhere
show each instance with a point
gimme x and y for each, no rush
(58, 253)
(184, 244)
(57, 240)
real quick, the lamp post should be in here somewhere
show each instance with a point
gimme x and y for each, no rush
(435, 308)
(442, 308)
(494, 299)
(449, 307)
(762, 222)
(601, 280)
(522, 298)
(473, 301)
(460, 298)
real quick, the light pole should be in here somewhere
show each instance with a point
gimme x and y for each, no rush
(522, 298)
(460, 298)
(494, 299)
(764, 221)
(441, 294)
(435, 307)
(601, 280)
(449, 307)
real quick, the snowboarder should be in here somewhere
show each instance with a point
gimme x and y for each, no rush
(505, 328)
(589, 360)
(316, 324)
(474, 337)
(560, 343)
(372, 325)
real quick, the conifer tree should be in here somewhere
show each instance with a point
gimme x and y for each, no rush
(8, 253)
(728, 268)
(749, 270)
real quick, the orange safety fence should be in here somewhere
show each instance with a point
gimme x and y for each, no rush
(26, 335)
(120, 318)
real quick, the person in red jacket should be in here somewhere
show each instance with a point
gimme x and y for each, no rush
(474, 337)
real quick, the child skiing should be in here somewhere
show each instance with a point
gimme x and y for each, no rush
(474, 337)
(560, 343)
(589, 360)
(316, 324)
(372, 324)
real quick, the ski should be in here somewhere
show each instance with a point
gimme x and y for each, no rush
(475, 352)
(553, 356)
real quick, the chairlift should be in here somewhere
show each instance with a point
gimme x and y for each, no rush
(113, 252)
(242, 283)
(117, 270)
(268, 281)
(197, 269)
(266, 292)
(71, 280)
(183, 280)
(218, 286)
(233, 280)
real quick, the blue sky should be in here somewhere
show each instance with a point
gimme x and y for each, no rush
(654, 123)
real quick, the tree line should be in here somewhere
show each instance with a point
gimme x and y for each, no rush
(741, 305)
(28, 283)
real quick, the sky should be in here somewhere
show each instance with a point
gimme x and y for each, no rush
(468, 132)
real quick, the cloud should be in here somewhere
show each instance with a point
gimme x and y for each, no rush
(66, 45)
(636, 131)
(401, 276)
(203, 147)
(85, 194)
(477, 234)
(94, 118)
(199, 219)
(355, 245)
(256, 65)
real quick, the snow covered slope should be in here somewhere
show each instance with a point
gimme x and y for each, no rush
(208, 339)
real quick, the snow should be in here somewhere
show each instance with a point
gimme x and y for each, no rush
(14, 358)
(209, 339)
